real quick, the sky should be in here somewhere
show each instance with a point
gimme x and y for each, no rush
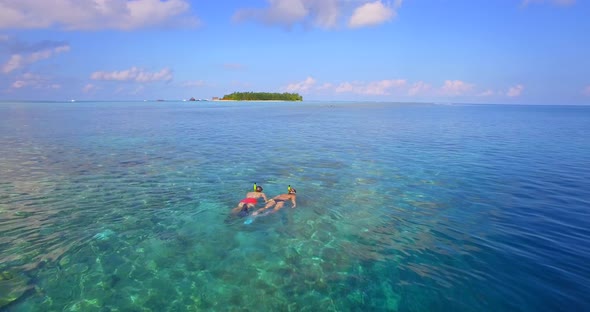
(443, 51)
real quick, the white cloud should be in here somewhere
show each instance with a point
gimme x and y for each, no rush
(325, 86)
(34, 81)
(419, 88)
(163, 75)
(326, 13)
(16, 61)
(92, 15)
(402, 88)
(45, 54)
(382, 87)
(586, 91)
(134, 74)
(555, 2)
(285, 12)
(344, 87)
(302, 86)
(89, 88)
(19, 60)
(486, 93)
(456, 88)
(374, 13)
(322, 13)
(19, 84)
(515, 91)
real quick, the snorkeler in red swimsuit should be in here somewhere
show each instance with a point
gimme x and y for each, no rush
(248, 203)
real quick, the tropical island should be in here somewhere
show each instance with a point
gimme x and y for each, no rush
(262, 96)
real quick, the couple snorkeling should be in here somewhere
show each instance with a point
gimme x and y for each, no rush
(246, 205)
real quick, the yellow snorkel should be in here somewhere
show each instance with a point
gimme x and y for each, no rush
(289, 189)
(254, 186)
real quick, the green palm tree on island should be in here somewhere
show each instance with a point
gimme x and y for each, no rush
(262, 96)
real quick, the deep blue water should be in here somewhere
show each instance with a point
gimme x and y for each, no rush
(400, 207)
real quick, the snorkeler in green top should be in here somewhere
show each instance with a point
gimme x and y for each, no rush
(279, 201)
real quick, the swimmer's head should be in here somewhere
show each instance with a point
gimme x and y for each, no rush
(259, 189)
(291, 190)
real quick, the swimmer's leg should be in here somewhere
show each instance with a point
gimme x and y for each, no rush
(268, 205)
(243, 212)
(278, 207)
(239, 208)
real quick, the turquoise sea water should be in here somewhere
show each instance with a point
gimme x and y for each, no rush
(401, 207)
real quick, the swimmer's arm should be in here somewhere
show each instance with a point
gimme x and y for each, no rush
(264, 197)
(293, 201)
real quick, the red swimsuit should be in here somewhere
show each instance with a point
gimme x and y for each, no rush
(252, 201)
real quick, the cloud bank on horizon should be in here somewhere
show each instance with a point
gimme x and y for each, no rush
(324, 49)
(401, 88)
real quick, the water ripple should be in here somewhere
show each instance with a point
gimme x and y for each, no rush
(400, 207)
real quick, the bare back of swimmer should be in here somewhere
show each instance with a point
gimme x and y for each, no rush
(248, 203)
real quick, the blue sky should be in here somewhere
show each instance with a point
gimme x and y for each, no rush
(500, 51)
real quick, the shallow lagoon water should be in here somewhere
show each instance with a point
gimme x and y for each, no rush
(123, 206)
